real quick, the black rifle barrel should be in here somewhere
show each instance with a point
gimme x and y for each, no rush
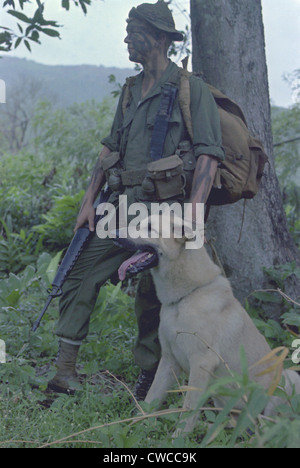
(51, 296)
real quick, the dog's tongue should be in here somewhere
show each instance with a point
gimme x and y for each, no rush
(131, 261)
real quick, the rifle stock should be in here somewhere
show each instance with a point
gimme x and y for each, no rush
(76, 246)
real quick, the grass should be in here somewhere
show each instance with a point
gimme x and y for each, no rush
(103, 412)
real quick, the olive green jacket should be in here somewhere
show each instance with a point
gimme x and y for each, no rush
(131, 133)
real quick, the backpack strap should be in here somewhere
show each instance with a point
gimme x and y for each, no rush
(184, 97)
(162, 118)
(221, 99)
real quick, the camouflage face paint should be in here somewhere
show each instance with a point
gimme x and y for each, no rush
(140, 41)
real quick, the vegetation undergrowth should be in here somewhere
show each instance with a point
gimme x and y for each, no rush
(103, 411)
(41, 187)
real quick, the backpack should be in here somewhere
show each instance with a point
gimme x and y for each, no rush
(239, 175)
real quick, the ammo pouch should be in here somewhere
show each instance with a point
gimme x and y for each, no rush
(186, 153)
(112, 167)
(165, 178)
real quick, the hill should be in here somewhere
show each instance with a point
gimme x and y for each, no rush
(65, 84)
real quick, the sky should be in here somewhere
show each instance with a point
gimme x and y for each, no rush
(97, 38)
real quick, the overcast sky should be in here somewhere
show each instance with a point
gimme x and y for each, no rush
(97, 38)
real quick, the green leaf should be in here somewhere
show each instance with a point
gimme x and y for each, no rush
(50, 32)
(13, 298)
(267, 296)
(27, 45)
(9, 2)
(65, 4)
(291, 318)
(53, 265)
(28, 275)
(221, 420)
(20, 16)
(35, 36)
(18, 41)
(29, 29)
(38, 16)
(43, 263)
(83, 7)
(254, 406)
(5, 38)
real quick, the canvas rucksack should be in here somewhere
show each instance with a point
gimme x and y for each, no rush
(239, 175)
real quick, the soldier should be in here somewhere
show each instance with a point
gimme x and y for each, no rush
(150, 32)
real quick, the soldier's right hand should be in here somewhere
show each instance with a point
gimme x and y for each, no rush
(86, 214)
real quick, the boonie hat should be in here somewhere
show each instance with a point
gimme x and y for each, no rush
(159, 16)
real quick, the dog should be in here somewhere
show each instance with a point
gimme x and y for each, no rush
(202, 325)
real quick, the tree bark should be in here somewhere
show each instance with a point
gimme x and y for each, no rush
(229, 51)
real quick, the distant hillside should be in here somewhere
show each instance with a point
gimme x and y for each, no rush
(66, 84)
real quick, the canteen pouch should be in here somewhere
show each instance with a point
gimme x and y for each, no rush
(112, 167)
(165, 177)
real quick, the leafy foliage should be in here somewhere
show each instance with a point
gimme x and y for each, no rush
(17, 249)
(30, 29)
(286, 131)
(31, 417)
(286, 128)
(44, 194)
(40, 191)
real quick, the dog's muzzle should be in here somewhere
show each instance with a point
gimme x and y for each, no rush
(144, 257)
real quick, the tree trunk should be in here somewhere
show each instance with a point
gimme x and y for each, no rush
(229, 50)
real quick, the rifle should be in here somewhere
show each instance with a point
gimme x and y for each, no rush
(76, 246)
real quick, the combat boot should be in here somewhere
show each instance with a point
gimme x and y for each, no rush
(144, 383)
(66, 369)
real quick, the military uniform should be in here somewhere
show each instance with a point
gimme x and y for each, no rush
(131, 136)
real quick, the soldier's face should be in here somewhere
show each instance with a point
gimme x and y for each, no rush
(140, 41)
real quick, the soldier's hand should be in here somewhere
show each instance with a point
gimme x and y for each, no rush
(86, 214)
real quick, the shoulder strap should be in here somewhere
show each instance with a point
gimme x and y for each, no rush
(221, 100)
(161, 123)
(164, 113)
(184, 97)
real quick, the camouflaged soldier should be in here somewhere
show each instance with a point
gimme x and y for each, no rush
(150, 32)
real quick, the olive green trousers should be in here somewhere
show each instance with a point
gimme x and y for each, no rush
(99, 262)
